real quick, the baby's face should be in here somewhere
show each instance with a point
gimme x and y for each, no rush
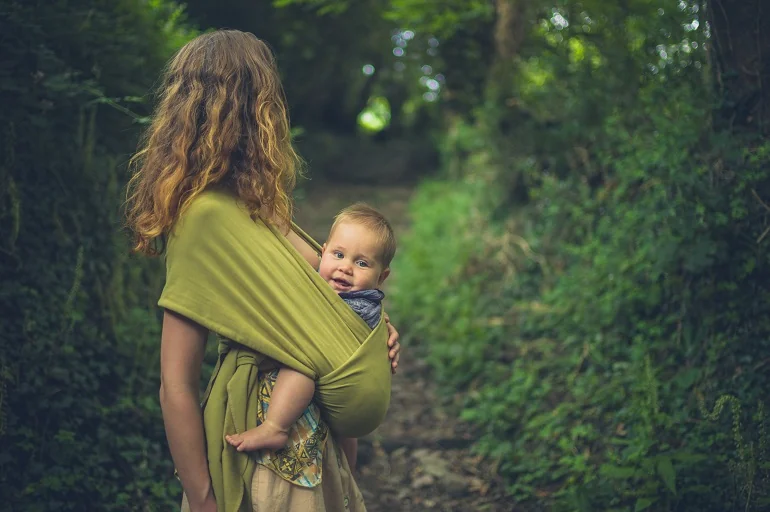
(350, 259)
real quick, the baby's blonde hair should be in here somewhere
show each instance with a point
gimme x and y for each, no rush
(364, 215)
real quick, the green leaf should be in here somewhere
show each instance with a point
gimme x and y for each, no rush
(643, 503)
(620, 472)
(667, 473)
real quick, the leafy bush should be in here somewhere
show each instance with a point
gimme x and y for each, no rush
(434, 294)
(587, 389)
(80, 425)
(612, 285)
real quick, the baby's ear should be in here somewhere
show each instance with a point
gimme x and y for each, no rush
(323, 248)
(383, 275)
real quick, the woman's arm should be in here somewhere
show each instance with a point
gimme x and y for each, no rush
(349, 447)
(304, 249)
(181, 356)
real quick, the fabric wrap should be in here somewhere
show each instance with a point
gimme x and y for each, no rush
(243, 280)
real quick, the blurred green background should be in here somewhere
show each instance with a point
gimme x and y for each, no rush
(585, 264)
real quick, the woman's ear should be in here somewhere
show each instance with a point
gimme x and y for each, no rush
(383, 275)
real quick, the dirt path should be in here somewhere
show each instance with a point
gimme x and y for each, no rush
(420, 458)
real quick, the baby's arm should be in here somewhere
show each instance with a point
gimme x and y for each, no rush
(304, 249)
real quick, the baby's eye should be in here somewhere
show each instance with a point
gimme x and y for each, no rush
(362, 264)
(338, 255)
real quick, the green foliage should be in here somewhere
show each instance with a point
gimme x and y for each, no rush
(618, 272)
(376, 116)
(450, 309)
(364, 54)
(80, 424)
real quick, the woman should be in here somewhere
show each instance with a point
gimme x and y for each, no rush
(221, 131)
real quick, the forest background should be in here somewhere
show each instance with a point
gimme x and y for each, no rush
(586, 270)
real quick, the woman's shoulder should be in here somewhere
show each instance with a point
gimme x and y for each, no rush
(212, 203)
(210, 210)
(213, 198)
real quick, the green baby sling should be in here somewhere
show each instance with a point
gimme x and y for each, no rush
(243, 280)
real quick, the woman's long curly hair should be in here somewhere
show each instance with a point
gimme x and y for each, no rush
(221, 119)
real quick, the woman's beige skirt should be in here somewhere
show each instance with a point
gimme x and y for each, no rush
(338, 491)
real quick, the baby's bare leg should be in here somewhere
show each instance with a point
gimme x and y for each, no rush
(291, 396)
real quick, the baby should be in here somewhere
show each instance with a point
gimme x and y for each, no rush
(355, 260)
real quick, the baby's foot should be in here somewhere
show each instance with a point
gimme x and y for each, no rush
(268, 436)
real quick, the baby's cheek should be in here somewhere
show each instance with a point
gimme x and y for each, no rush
(323, 270)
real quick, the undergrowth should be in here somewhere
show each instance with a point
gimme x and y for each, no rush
(588, 329)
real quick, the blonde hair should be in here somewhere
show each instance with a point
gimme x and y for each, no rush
(221, 119)
(364, 215)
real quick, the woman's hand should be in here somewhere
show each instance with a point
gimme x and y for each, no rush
(209, 504)
(393, 344)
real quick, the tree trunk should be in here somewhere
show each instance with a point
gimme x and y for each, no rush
(505, 117)
(741, 56)
(509, 33)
